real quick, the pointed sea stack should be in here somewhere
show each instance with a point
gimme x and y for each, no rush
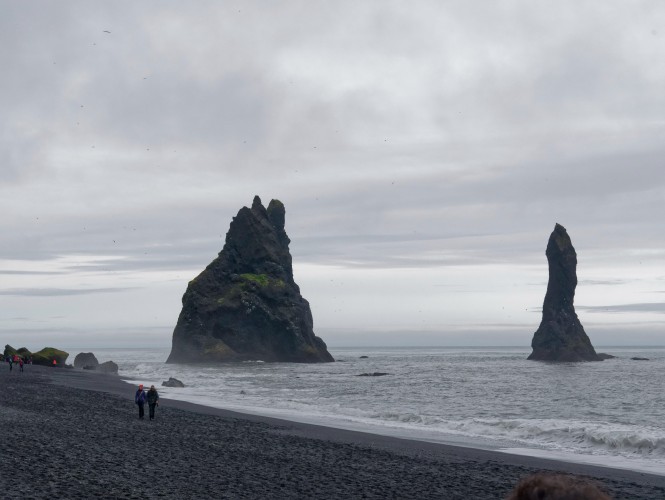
(245, 304)
(561, 336)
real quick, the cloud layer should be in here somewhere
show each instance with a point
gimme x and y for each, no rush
(437, 142)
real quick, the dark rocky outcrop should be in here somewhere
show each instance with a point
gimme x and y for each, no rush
(46, 356)
(24, 352)
(86, 360)
(373, 374)
(108, 367)
(172, 382)
(560, 336)
(245, 305)
(9, 351)
(602, 356)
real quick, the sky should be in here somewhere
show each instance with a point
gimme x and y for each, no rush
(423, 150)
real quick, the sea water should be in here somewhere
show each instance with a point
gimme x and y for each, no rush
(609, 413)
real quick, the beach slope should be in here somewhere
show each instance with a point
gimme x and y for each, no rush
(74, 434)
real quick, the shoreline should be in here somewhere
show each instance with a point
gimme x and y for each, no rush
(602, 461)
(115, 385)
(268, 457)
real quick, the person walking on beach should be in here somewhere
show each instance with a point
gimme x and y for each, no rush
(153, 400)
(20, 364)
(139, 399)
(11, 363)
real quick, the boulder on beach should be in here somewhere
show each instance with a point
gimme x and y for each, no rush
(24, 352)
(108, 367)
(246, 305)
(172, 382)
(86, 360)
(561, 336)
(46, 356)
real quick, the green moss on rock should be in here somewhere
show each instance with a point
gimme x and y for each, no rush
(262, 280)
(23, 352)
(219, 351)
(48, 354)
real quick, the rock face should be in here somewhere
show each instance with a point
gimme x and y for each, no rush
(86, 360)
(172, 382)
(560, 336)
(46, 356)
(245, 305)
(108, 367)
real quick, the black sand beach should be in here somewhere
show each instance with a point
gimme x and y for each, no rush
(74, 434)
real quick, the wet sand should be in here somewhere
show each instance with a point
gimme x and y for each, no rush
(76, 434)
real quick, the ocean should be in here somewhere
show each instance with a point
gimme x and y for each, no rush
(609, 413)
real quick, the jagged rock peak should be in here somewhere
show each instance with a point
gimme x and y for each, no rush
(561, 336)
(246, 305)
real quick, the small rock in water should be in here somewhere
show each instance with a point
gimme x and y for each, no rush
(602, 355)
(172, 382)
(375, 374)
(364, 357)
(639, 359)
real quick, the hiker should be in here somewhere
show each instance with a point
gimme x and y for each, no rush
(153, 400)
(139, 399)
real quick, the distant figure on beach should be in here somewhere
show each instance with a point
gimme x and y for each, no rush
(11, 363)
(140, 399)
(55, 363)
(20, 364)
(153, 400)
(556, 487)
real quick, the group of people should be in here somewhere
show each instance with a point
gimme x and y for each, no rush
(151, 397)
(16, 359)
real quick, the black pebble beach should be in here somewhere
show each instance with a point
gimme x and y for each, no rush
(66, 433)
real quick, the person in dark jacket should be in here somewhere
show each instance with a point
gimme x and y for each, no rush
(153, 400)
(140, 399)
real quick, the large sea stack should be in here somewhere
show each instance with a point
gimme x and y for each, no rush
(245, 304)
(561, 336)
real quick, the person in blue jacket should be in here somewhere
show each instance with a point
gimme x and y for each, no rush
(140, 400)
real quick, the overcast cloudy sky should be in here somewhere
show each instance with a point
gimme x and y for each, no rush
(423, 150)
